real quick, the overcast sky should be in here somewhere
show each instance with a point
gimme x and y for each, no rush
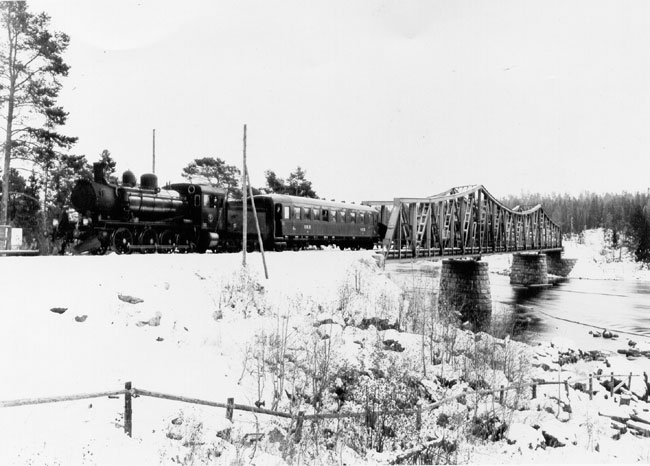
(373, 99)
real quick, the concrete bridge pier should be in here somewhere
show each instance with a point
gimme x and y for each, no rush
(529, 269)
(465, 287)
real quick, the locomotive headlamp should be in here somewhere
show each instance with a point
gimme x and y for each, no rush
(85, 221)
(55, 222)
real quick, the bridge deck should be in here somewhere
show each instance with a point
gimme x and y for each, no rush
(456, 253)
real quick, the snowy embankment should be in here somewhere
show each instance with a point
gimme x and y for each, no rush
(598, 261)
(315, 337)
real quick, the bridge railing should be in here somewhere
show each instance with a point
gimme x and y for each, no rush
(465, 221)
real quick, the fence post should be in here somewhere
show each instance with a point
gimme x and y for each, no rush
(299, 422)
(501, 395)
(591, 387)
(418, 418)
(611, 389)
(534, 391)
(230, 408)
(629, 382)
(128, 411)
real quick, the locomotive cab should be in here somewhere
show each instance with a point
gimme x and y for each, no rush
(206, 206)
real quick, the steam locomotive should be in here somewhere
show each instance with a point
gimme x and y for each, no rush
(189, 217)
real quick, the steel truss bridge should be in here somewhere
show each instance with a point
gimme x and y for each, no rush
(463, 221)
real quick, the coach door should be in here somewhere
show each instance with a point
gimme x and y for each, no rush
(277, 215)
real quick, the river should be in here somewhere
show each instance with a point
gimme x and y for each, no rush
(536, 315)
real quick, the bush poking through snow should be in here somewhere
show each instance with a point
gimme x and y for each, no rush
(242, 296)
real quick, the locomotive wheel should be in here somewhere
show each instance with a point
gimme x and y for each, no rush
(122, 239)
(100, 251)
(168, 239)
(183, 243)
(148, 238)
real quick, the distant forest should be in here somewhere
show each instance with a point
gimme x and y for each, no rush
(627, 215)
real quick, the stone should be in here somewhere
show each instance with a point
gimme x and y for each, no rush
(129, 299)
(81, 318)
(58, 310)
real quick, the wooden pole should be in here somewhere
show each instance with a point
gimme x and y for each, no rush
(153, 169)
(257, 226)
(244, 206)
(128, 410)
(299, 422)
(230, 402)
(534, 391)
(591, 387)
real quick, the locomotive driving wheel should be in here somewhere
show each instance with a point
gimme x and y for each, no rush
(183, 243)
(122, 240)
(168, 241)
(148, 240)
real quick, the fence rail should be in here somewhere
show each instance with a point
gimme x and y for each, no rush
(230, 406)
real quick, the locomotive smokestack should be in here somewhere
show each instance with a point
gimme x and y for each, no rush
(98, 172)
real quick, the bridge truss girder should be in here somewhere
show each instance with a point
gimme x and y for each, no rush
(464, 221)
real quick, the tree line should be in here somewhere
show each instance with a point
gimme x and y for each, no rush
(38, 171)
(625, 215)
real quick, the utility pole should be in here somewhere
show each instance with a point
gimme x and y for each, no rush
(153, 169)
(244, 183)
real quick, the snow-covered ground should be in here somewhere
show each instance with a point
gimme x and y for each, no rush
(597, 260)
(197, 326)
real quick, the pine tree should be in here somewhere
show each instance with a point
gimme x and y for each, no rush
(296, 185)
(31, 64)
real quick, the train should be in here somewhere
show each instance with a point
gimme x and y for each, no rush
(127, 217)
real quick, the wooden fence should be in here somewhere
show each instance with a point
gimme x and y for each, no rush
(230, 406)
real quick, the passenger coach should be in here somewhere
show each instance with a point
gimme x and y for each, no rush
(295, 222)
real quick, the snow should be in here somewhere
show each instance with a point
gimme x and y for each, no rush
(196, 325)
(598, 261)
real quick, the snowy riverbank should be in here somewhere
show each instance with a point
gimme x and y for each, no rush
(314, 337)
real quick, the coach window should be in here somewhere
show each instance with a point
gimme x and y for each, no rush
(342, 216)
(206, 200)
(307, 213)
(353, 217)
(287, 212)
(333, 215)
(361, 218)
(296, 213)
(326, 215)
(314, 213)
